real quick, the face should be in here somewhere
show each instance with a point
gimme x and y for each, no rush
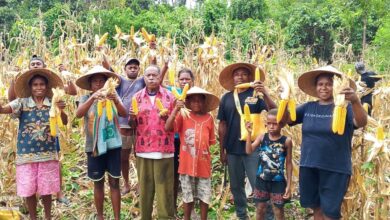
(38, 87)
(185, 78)
(152, 78)
(35, 64)
(132, 70)
(97, 82)
(241, 75)
(196, 103)
(272, 125)
(324, 88)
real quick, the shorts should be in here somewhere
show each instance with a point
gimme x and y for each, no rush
(110, 162)
(195, 187)
(128, 142)
(266, 190)
(324, 189)
(39, 177)
(176, 157)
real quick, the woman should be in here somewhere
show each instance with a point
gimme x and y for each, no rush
(325, 165)
(37, 165)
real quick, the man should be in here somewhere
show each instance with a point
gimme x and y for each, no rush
(369, 78)
(232, 149)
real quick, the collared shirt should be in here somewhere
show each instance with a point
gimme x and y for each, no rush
(34, 142)
(196, 135)
(150, 131)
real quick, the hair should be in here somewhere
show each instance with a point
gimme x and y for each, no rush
(154, 66)
(328, 75)
(38, 77)
(186, 70)
(273, 112)
(132, 61)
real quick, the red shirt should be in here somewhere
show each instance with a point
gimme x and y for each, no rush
(150, 131)
(196, 135)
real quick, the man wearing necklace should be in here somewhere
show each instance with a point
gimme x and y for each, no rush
(154, 146)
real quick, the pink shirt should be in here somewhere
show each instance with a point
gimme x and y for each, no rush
(151, 135)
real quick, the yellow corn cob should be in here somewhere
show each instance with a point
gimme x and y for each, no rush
(335, 118)
(152, 37)
(281, 109)
(257, 74)
(109, 110)
(145, 35)
(247, 113)
(102, 39)
(171, 76)
(118, 30)
(134, 105)
(315, 62)
(159, 104)
(380, 135)
(19, 63)
(349, 73)
(184, 93)
(175, 93)
(100, 108)
(243, 85)
(53, 128)
(341, 120)
(132, 31)
(291, 109)
(365, 106)
(59, 121)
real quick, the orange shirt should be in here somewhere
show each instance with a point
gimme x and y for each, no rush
(196, 135)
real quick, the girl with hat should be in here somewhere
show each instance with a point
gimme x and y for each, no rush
(94, 81)
(37, 165)
(325, 165)
(196, 131)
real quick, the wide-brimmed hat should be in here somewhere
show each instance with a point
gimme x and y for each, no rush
(211, 102)
(132, 60)
(226, 75)
(307, 81)
(84, 80)
(22, 87)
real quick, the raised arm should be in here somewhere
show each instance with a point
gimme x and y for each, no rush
(171, 119)
(6, 109)
(260, 87)
(359, 114)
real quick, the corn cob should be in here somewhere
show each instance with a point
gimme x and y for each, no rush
(247, 113)
(118, 30)
(175, 93)
(134, 105)
(100, 108)
(340, 110)
(380, 135)
(161, 108)
(54, 112)
(19, 63)
(291, 109)
(365, 107)
(281, 109)
(341, 120)
(184, 93)
(59, 121)
(257, 74)
(244, 85)
(132, 31)
(109, 110)
(102, 40)
(171, 76)
(145, 35)
(53, 126)
(335, 119)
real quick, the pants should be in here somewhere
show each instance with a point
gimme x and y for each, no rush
(156, 177)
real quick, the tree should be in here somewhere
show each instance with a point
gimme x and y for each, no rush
(244, 9)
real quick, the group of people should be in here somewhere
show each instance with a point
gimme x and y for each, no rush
(171, 131)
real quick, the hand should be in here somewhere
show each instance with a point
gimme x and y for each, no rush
(248, 127)
(223, 157)
(132, 119)
(259, 86)
(114, 97)
(350, 95)
(97, 95)
(287, 193)
(61, 105)
(179, 104)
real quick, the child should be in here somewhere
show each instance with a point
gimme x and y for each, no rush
(94, 81)
(273, 150)
(196, 131)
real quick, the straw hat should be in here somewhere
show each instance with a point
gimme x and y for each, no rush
(211, 102)
(306, 81)
(84, 80)
(226, 75)
(22, 88)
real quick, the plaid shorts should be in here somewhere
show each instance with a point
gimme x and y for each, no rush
(195, 187)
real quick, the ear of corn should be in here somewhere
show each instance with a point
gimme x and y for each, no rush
(132, 31)
(100, 108)
(176, 93)
(257, 74)
(102, 40)
(54, 112)
(335, 118)
(163, 111)
(59, 121)
(145, 35)
(171, 77)
(340, 110)
(109, 110)
(184, 93)
(247, 113)
(341, 120)
(380, 135)
(291, 109)
(281, 109)
(134, 105)
(53, 126)
(118, 30)
(244, 85)
(365, 107)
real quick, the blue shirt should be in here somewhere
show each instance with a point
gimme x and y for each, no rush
(321, 148)
(126, 91)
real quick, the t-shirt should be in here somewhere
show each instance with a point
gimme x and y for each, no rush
(126, 89)
(227, 112)
(272, 155)
(196, 136)
(321, 148)
(88, 123)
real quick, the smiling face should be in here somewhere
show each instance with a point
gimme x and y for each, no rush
(38, 85)
(324, 88)
(97, 82)
(241, 75)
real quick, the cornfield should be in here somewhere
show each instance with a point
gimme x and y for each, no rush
(369, 190)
